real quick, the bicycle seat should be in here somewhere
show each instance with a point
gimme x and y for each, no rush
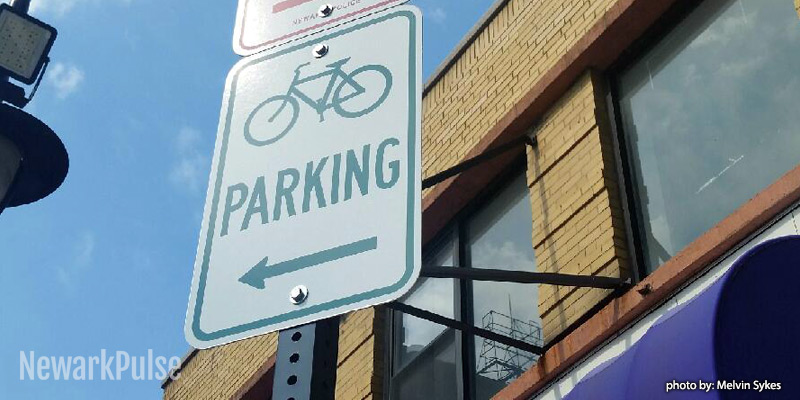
(301, 66)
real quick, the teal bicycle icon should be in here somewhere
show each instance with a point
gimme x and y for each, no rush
(358, 93)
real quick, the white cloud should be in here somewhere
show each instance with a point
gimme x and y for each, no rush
(53, 7)
(56, 7)
(190, 170)
(437, 15)
(432, 10)
(59, 8)
(729, 28)
(65, 79)
(502, 255)
(82, 257)
(84, 250)
(739, 69)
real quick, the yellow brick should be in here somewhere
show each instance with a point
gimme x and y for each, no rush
(568, 186)
(526, 39)
(219, 373)
(565, 314)
(577, 219)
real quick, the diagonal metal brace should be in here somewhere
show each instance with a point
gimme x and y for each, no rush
(497, 275)
(464, 327)
(477, 160)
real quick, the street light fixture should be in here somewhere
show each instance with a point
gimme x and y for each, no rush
(9, 164)
(24, 44)
(33, 160)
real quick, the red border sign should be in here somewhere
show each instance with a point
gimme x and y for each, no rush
(264, 24)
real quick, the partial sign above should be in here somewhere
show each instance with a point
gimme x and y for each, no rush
(313, 208)
(264, 24)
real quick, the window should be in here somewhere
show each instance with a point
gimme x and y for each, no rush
(430, 361)
(709, 116)
(424, 354)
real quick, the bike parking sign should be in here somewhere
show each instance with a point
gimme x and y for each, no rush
(313, 207)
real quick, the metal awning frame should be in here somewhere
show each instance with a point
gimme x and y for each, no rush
(498, 275)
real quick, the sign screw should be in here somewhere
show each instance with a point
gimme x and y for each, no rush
(298, 295)
(325, 10)
(321, 50)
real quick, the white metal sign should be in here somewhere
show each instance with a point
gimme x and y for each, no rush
(313, 208)
(263, 24)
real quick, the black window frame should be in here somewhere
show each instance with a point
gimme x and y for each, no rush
(447, 235)
(456, 231)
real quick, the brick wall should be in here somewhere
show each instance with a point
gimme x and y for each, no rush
(360, 373)
(524, 41)
(224, 372)
(577, 220)
(578, 225)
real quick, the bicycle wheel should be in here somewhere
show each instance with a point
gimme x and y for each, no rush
(269, 122)
(360, 100)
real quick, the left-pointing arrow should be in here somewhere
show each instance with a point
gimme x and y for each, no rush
(257, 275)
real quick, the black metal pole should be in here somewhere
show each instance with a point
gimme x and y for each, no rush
(22, 5)
(6, 199)
(305, 367)
(465, 327)
(475, 161)
(549, 278)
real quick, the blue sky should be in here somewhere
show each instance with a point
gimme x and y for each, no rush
(134, 91)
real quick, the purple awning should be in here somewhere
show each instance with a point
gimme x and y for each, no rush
(743, 330)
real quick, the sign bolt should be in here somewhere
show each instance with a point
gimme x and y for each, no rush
(321, 50)
(325, 10)
(298, 295)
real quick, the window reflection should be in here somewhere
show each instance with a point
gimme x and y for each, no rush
(500, 238)
(710, 116)
(413, 334)
(434, 374)
(429, 359)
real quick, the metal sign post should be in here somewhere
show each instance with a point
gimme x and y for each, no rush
(305, 367)
(314, 202)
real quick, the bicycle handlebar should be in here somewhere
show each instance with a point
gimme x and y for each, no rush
(301, 66)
